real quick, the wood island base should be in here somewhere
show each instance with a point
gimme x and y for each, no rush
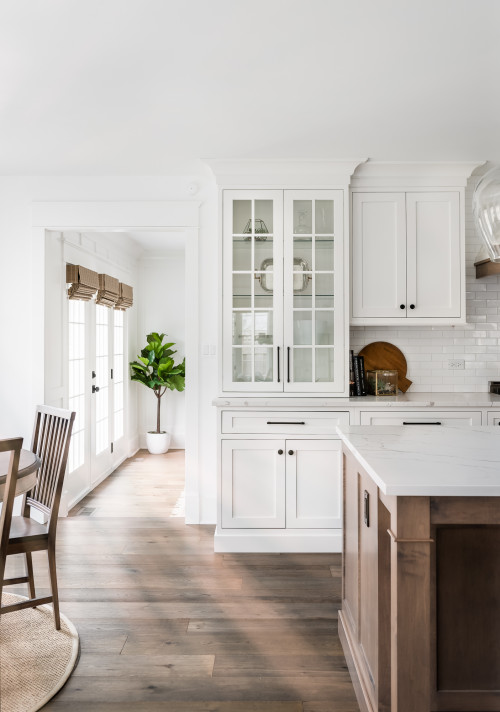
(420, 618)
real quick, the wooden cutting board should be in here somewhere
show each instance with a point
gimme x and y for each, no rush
(382, 355)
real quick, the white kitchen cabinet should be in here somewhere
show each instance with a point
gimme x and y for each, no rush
(283, 292)
(313, 483)
(253, 484)
(493, 417)
(414, 418)
(407, 257)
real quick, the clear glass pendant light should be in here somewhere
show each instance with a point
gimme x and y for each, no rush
(486, 209)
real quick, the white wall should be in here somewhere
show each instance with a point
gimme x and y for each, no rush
(21, 333)
(161, 308)
(428, 349)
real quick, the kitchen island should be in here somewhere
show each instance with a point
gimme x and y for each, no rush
(420, 618)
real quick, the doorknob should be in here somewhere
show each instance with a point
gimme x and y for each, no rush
(95, 389)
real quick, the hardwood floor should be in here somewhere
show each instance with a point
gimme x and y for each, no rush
(166, 624)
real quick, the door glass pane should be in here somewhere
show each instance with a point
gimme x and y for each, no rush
(302, 217)
(302, 253)
(242, 291)
(264, 286)
(76, 386)
(263, 327)
(324, 217)
(302, 327)
(101, 380)
(302, 365)
(118, 386)
(263, 251)
(242, 364)
(263, 364)
(242, 253)
(263, 217)
(242, 214)
(324, 365)
(242, 327)
(324, 253)
(324, 290)
(324, 327)
(302, 295)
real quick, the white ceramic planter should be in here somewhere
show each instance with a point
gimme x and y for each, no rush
(158, 443)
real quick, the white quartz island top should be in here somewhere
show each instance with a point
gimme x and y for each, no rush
(426, 460)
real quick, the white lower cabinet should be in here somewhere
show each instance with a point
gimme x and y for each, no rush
(253, 484)
(427, 417)
(493, 417)
(281, 483)
(313, 484)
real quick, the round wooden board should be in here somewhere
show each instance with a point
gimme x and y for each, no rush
(383, 355)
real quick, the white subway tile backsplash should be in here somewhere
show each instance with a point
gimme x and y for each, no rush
(428, 349)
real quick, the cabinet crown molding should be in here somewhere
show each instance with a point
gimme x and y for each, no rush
(413, 174)
(248, 173)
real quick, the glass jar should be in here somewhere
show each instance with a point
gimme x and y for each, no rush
(382, 383)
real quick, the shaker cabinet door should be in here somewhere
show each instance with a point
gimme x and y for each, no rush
(313, 484)
(253, 484)
(378, 255)
(433, 254)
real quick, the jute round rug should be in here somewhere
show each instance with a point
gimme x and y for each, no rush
(35, 658)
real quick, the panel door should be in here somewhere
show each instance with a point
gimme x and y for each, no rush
(253, 484)
(433, 244)
(313, 484)
(378, 255)
(314, 337)
(253, 290)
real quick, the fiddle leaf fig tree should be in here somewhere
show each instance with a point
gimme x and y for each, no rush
(155, 369)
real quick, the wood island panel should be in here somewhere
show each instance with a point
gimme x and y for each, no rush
(420, 619)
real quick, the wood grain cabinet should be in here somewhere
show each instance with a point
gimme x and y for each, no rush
(407, 257)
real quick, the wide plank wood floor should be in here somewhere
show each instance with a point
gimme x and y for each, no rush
(166, 624)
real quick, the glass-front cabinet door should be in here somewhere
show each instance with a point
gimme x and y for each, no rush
(283, 305)
(314, 336)
(253, 290)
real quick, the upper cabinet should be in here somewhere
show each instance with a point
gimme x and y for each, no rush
(283, 291)
(407, 248)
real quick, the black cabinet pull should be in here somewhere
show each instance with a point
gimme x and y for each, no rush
(286, 422)
(280, 452)
(279, 378)
(402, 306)
(366, 508)
(288, 364)
(290, 452)
(412, 306)
(436, 422)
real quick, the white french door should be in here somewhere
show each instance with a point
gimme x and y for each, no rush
(96, 368)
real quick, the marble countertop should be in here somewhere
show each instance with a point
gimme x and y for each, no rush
(403, 400)
(426, 460)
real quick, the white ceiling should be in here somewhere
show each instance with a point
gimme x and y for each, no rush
(135, 87)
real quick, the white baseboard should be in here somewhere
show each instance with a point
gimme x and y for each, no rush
(282, 541)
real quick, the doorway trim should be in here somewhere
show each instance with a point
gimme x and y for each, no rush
(123, 216)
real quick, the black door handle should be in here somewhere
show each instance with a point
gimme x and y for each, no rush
(95, 389)
(288, 364)
(279, 379)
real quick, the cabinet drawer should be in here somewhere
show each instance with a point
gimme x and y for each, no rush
(283, 423)
(425, 417)
(493, 417)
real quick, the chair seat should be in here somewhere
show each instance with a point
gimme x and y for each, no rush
(24, 528)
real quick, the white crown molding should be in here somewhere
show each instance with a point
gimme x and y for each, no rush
(413, 174)
(231, 173)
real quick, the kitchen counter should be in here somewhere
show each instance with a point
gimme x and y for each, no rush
(428, 461)
(420, 618)
(423, 400)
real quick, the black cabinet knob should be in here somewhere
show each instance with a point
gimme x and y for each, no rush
(95, 389)
(412, 306)
(402, 306)
(280, 452)
(290, 452)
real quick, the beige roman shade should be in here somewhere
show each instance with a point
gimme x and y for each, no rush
(109, 290)
(125, 296)
(83, 282)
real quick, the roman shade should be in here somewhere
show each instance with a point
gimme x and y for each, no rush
(109, 290)
(83, 282)
(125, 296)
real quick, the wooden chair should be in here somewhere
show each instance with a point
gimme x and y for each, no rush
(51, 439)
(13, 445)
